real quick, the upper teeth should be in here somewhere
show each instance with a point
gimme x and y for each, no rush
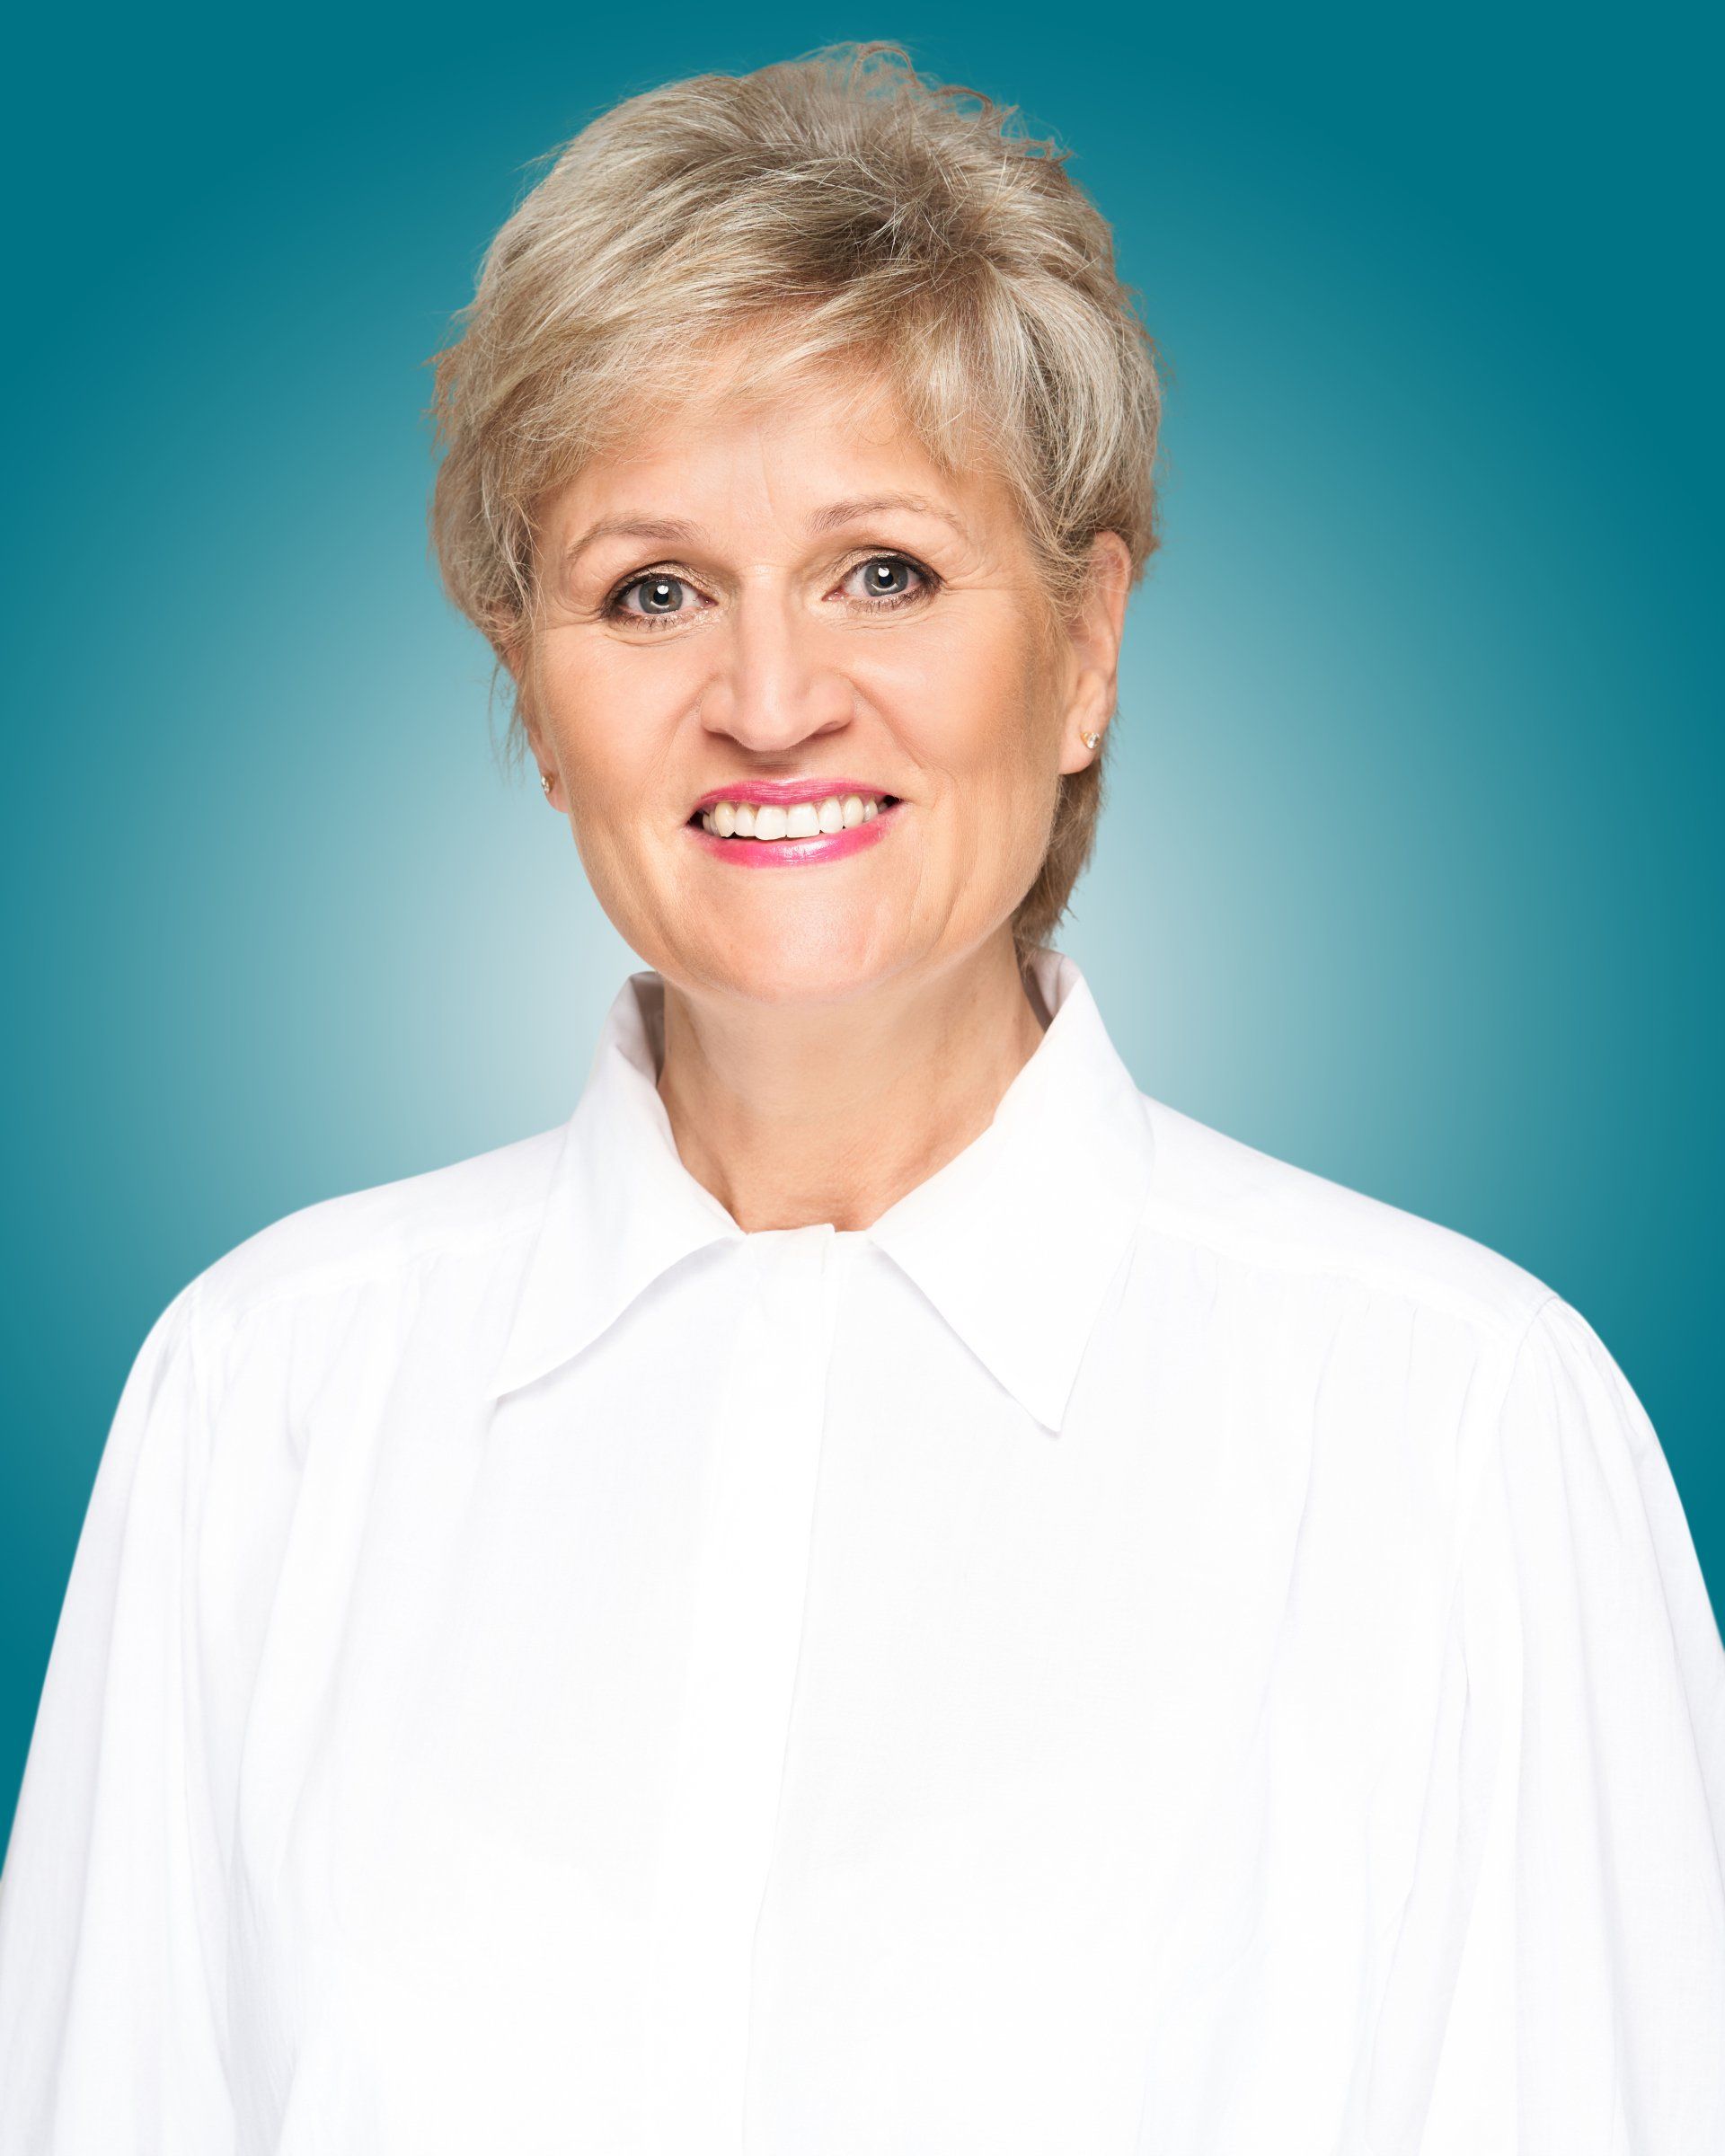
(802, 820)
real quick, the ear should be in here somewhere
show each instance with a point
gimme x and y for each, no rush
(1093, 641)
(512, 653)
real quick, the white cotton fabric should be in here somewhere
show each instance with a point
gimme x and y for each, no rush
(1143, 1651)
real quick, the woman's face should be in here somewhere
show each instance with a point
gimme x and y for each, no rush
(792, 592)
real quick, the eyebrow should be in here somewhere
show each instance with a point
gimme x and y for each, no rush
(849, 512)
(670, 531)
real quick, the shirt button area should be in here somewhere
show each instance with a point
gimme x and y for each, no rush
(743, 1648)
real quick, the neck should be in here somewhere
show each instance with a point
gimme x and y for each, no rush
(795, 1116)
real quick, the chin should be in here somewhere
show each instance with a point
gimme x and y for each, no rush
(808, 968)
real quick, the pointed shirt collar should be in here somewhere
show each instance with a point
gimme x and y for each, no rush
(1014, 1241)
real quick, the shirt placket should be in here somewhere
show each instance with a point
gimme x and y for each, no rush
(745, 1639)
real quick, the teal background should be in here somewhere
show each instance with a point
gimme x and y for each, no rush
(1411, 870)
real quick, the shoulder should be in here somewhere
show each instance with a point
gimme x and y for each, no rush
(481, 1209)
(1249, 1208)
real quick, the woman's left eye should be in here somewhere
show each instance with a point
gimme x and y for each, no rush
(888, 577)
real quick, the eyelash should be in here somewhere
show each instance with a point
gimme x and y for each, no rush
(887, 603)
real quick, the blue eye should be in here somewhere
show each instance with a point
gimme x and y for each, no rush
(658, 599)
(659, 595)
(888, 577)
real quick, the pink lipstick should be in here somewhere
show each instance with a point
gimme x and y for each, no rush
(795, 852)
(780, 793)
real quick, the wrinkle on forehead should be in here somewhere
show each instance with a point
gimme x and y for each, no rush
(797, 455)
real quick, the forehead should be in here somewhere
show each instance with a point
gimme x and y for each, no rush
(731, 448)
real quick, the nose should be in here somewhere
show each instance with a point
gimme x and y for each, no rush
(775, 685)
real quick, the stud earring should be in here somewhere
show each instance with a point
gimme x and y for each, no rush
(544, 783)
(1090, 740)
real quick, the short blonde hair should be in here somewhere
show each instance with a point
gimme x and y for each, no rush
(840, 204)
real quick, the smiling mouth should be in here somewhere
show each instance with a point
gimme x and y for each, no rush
(761, 822)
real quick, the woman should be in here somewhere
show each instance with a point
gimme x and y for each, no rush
(879, 1590)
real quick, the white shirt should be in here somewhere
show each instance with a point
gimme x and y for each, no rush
(1143, 1649)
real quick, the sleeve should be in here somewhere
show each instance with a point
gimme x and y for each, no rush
(1559, 1983)
(111, 1898)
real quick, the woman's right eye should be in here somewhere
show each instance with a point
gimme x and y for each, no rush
(660, 598)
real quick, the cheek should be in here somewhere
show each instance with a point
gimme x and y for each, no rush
(976, 712)
(606, 718)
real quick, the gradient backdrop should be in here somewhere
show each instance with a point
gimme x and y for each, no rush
(1411, 870)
